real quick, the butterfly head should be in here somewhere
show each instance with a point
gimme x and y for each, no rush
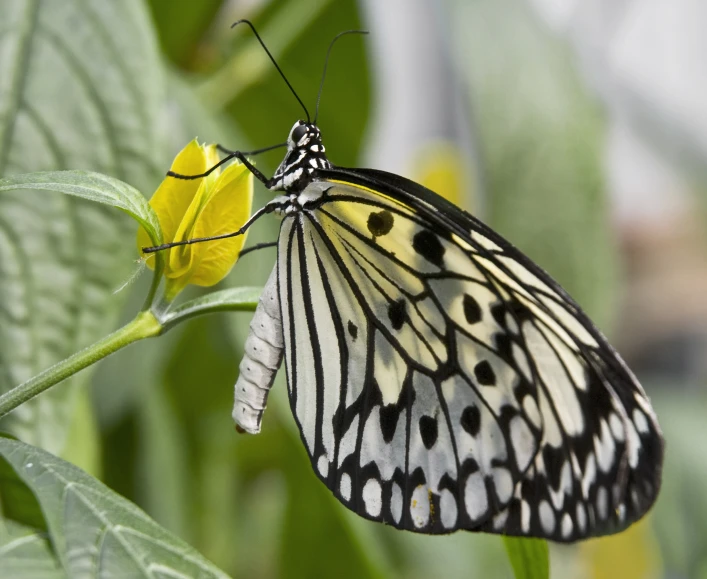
(305, 154)
(302, 134)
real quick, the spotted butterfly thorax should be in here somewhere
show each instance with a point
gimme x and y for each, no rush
(440, 379)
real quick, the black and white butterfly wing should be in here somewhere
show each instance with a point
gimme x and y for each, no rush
(442, 381)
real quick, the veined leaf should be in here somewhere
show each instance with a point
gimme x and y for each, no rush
(25, 553)
(96, 532)
(92, 187)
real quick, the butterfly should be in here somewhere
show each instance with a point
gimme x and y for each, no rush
(439, 378)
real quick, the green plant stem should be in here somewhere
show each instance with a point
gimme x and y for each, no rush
(145, 325)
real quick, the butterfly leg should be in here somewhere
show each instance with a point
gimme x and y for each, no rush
(230, 155)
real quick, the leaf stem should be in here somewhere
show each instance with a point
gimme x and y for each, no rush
(145, 325)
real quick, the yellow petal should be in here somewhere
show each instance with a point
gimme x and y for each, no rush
(174, 196)
(212, 158)
(225, 210)
(181, 259)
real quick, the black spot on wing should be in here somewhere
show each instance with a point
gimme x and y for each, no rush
(353, 330)
(428, 431)
(388, 421)
(472, 310)
(380, 223)
(428, 245)
(396, 314)
(471, 420)
(484, 373)
(514, 308)
(553, 458)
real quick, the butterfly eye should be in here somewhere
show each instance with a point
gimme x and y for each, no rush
(297, 133)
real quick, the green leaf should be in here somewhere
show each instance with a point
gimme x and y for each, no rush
(25, 553)
(17, 503)
(181, 24)
(94, 531)
(25, 550)
(237, 299)
(81, 87)
(92, 187)
(529, 557)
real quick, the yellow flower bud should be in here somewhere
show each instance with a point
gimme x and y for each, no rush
(217, 204)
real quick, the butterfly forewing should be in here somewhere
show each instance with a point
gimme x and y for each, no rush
(442, 381)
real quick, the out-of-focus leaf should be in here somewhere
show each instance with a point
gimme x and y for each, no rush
(529, 557)
(287, 23)
(81, 88)
(82, 442)
(25, 553)
(162, 467)
(540, 137)
(266, 110)
(180, 24)
(680, 515)
(79, 511)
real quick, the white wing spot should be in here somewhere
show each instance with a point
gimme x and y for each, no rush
(396, 502)
(345, 486)
(566, 526)
(503, 481)
(590, 474)
(602, 503)
(617, 426)
(581, 517)
(524, 445)
(525, 516)
(372, 497)
(547, 517)
(475, 496)
(420, 506)
(641, 422)
(604, 447)
(323, 465)
(448, 508)
(621, 511)
(499, 521)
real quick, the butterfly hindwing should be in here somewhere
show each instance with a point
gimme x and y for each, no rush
(441, 381)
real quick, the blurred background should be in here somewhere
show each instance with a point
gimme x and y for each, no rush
(576, 129)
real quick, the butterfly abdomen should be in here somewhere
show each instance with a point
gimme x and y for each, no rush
(262, 358)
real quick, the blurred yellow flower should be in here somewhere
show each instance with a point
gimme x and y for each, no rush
(217, 204)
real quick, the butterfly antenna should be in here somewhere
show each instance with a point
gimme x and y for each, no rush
(272, 59)
(326, 63)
